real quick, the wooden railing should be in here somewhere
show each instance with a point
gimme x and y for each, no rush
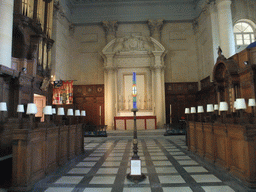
(230, 146)
(41, 151)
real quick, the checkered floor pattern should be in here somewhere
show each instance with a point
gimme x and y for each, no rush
(166, 162)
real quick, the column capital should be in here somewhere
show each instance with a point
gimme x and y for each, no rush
(110, 28)
(155, 27)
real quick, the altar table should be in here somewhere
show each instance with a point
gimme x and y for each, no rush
(127, 122)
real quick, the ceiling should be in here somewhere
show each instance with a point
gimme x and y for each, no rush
(94, 11)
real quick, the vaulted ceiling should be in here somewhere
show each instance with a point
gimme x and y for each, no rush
(94, 11)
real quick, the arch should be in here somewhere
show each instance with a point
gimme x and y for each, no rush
(224, 68)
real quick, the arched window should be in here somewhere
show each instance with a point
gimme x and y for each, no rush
(244, 33)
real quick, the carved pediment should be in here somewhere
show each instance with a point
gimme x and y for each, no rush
(133, 43)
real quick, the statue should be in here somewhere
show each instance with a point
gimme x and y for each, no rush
(45, 84)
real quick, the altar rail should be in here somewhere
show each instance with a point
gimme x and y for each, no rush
(230, 146)
(41, 151)
(127, 123)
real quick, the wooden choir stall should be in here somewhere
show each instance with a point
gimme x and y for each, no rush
(227, 137)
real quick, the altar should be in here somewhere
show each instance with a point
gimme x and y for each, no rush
(127, 122)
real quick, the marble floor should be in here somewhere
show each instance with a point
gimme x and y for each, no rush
(165, 160)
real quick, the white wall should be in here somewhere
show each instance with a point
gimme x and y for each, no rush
(87, 41)
(180, 61)
(62, 61)
(88, 65)
(191, 46)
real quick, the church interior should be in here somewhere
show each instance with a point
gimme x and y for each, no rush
(66, 69)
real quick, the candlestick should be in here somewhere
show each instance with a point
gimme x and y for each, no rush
(135, 175)
(134, 90)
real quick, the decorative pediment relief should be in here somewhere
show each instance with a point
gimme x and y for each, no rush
(133, 43)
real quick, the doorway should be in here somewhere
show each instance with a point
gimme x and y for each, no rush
(40, 102)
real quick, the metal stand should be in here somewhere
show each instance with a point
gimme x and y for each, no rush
(136, 178)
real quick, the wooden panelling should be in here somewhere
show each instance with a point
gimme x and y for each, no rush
(192, 137)
(91, 99)
(181, 88)
(199, 130)
(72, 141)
(209, 142)
(63, 144)
(177, 97)
(40, 151)
(230, 146)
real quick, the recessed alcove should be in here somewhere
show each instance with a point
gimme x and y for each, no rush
(123, 56)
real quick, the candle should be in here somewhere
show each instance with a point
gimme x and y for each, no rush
(134, 90)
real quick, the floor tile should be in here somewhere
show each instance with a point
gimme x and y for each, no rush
(165, 170)
(188, 162)
(69, 180)
(171, 179)
(181, 157)
(103, 180)
(79, 171)
(97, 190)
(195, 169)
(86, 164)
(97, 154)
(92, 158)
(111, 164)
(116, 154)
(177, 189)
(173, 149)
(105, 157)
(114, 158)
(205, 178)
(59, 189)
(107, 171)
(177, 153)
(159, 158)
(217, 189)
(162, 163)
(137, 189)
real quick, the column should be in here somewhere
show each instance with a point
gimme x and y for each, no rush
(110, 28)
(110, 91)
(155, 27)
(6, 24)
(159, 89)
(214, 31)
(227, 42)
